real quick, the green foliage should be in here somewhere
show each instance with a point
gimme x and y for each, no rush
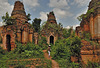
(8, 20)
(42, 25)
(43, 43)
(25, 51)
(36, 24)
(75, 46)
(64, 63)
(28, 16)
(81, 17)
(86, 36)
(38, 63)
(60, 50)
(93, 65)
(20, 55)
(66, 33)
(2, 61)
(56, 28)
(2, 52)
(64, 49)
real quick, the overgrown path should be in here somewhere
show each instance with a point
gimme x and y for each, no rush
(54, 63)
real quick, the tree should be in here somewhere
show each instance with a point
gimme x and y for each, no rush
(28, 16)
(8, 20)
(80, 17)
(75, 47)
(43, 43)
(60, 25)
(36, 24)
(67, 33)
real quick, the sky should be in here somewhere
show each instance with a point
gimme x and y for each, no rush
(66, 11)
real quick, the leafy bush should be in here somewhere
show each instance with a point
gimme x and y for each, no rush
(64, 49)
(38, 63)
(8, 20)
(26, 51)
(75, 46)
(93, 65)
(60, 50)
(43, 43)
(64, 63)
(2, 52)
(22, 52)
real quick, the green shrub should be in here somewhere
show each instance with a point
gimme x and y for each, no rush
(43, 43)
(64, 63)
(2, 52)
(26, 51)
(75, 46)
(64, 49)
(37, 62)
(93, 65)
(60, 50)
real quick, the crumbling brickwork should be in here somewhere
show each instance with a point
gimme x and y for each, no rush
(21, 31)
(90, 24)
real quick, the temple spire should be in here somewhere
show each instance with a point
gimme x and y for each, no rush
(51, 18)
(19, 11)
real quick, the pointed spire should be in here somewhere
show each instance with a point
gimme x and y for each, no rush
(19, 11)
(51, 18)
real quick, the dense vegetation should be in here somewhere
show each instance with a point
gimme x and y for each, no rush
(64, 49)
(43, 43)
(23, 53)
(36, 24)
(8, 20)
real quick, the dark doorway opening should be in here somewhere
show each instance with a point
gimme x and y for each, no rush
(8, 39)
(51, 40)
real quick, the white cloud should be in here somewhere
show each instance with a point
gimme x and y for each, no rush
(74, 26)
(43, 16)
(81, 2)
(58, 3)
(5, 7)
(82, 12)
(62, 13)
(1, 24)
(60, 8)
(68, 27)
(31, 3)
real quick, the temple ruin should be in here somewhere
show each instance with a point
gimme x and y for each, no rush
(21, 31)
(90, 24)
(50, 33)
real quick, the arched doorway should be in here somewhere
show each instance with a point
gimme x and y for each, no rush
(8, 44)
(51, 40)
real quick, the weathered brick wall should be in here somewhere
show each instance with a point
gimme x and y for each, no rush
(21, 32)
(90, 52)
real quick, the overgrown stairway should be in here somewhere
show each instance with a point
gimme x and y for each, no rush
(54, 63)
